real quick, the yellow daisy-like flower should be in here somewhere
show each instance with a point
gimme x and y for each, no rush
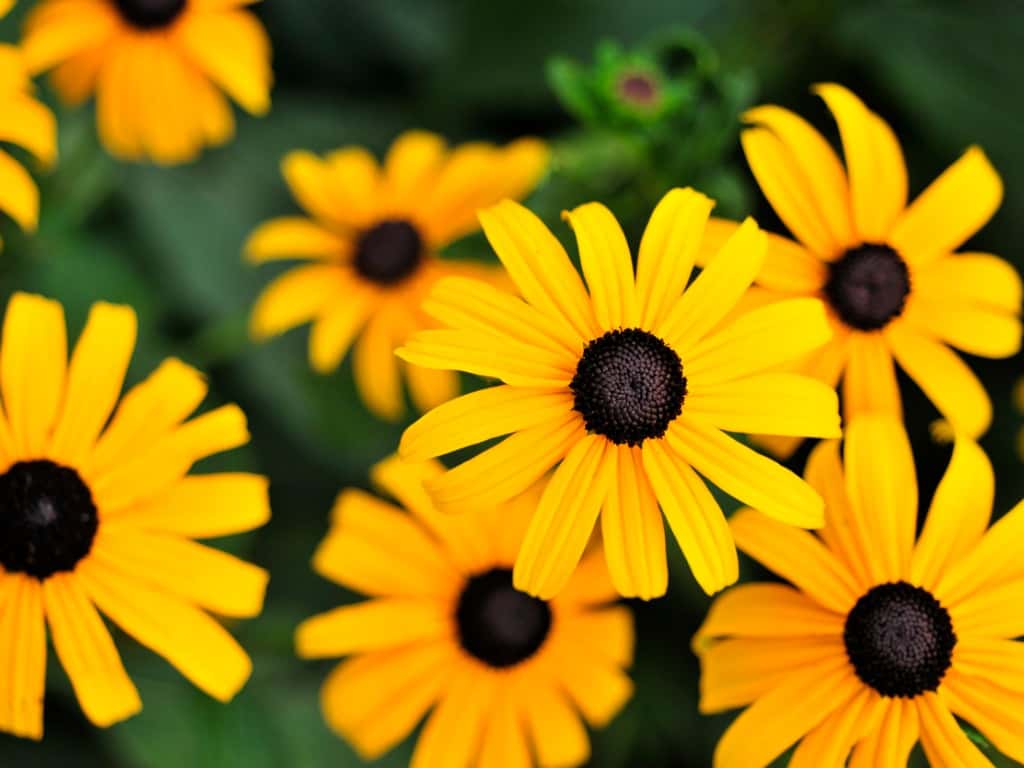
(159, 69)
(100, 517)
(881, 640)
(26, 123)
(895, 288)
(507, 676)
(373, 236)
(627, 389)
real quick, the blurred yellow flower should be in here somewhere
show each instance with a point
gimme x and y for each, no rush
(373, 236)
(28, 124)
(1018, 399)
(5, 6)
(629, 389)
(103, 516)
(887, 270)
(507, 676)
(157, 67)
(882, 639)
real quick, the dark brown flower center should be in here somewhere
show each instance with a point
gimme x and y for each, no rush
(498, 624)
(868, 287)
(47, 518)
(629, 386)
(150, 14)
(900, 640)
(389, 252)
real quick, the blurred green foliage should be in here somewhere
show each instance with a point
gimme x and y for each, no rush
(168, 241)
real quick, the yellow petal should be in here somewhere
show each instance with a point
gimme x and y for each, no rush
(881, 483)
(334, 330)
(591, 583)
(716, 290)
(972, 329)
(196, 645)
(945, 379)
(668, 250)
(991, 612)
(430, 389)
(819, 167)
(959, 513)
(22, 655)
(991, 707)
(298, 296)
(20, 197)
(354, 182)
(632, 530)
(783, 182)
(206, 577)
(75, 79)
(829, 744)
(504, 741)
(607, 265)
(245, 73)
(555, 729)
(770, 404)
(373, 625)
(971, 279)
(86, 650)
(376, 367)
(479, 416)
(943, 740)
(598, 689)
(746, 475)
(95, 376)
(58, 31)
(797, 556)
(539, 266)
(451, 736)
(994, 560)
(412, 164)
(118, 105)
(892, 740)
(696, 520)
(33, 360)
(29, 124)
(874, 161)
(950, 211)
(293, 237)
(561, 526)
(869, 385)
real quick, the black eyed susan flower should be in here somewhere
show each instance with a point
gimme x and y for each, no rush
(507, 679)
(160, 69)
(628, 389)
(100, 518)
(25, 123)
(896, 290)
(372, 237)
(881, 641)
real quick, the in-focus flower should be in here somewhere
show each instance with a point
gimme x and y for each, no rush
(100, 518)
(28, 124)
(373, 236)
(881, 640)
(507, 678)
(895, 288)
(629, 389)
(159, 69)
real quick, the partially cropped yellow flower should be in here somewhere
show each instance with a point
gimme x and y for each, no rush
(1018, 399)
(507, 679)
(159, 69)
(629, 389)
(373, 237)
(99, 517)
(884, 636)
(25, 123)
(895, 288)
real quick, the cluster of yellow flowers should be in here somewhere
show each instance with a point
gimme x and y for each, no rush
(492, 610)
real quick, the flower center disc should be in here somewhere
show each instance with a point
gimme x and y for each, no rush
(900, 640)
(498, 624)
(629, 386)
(868, 287)
(150, 14)
(47, 518)
(389, 252)
(638, 89)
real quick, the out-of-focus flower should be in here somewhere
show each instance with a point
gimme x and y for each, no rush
(157, 67)
(881, 640)
(25, 123)
(895, 289)
(507, 676)
(100, 518)
(1018, 399)
(373, 238)
(629, 389)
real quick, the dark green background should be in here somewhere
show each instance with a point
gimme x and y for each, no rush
(946, 74)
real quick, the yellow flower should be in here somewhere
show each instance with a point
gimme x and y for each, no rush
(1018, 399)
(100, 517)
(5, 6)
(880, 641)
(506, 675)
(895, 288)
(373, 236)
(158, 68)
(628, 389)
(28, 124)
